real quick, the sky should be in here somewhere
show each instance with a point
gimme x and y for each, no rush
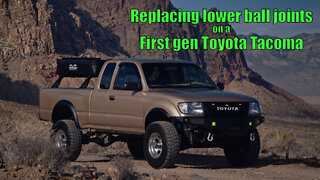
(279, 30)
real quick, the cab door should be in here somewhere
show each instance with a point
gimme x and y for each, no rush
(126, 105)
(100, 102)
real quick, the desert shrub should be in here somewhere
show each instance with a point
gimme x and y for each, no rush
(280, 141)
(7, 121)
(31, 152)
(86, 172)
(316, 151)
(124, 168)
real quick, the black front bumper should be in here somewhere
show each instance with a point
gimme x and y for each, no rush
(195, 130)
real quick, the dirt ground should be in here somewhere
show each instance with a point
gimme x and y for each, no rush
(197, 167)
(200, 164)
(193, 164)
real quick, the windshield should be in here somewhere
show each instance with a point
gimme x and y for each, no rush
(168, 75)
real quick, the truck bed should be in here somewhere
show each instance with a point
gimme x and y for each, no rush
(80, 98)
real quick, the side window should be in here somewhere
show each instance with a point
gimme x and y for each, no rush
(107, 75)
(127, 73)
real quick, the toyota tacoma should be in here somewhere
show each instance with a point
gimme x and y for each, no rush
(158, 107)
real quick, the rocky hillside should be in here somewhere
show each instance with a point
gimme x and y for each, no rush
(35, 32)
(296, 71)
(102, 28)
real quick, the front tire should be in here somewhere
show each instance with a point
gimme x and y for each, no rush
(161, 144)
(68, 137)
(246, 153)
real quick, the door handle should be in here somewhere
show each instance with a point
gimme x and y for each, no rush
(111, 97)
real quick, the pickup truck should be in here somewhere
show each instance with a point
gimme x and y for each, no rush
(158, 107)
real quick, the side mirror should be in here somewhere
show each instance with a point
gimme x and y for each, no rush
(220, 86)
(131, 86)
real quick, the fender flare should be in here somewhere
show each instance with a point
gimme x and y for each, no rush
(68, 105)
(159, 109)
(155, 110)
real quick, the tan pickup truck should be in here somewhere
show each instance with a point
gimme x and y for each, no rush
(159, 107)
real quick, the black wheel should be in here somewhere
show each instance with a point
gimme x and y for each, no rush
(67, 137)
(246, 153)
(161, 144)
(135, 146)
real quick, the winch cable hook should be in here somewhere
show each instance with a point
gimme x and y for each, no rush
(210, 137)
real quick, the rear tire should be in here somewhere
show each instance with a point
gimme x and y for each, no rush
(161, 144)
(135, 146)
(246, 153)
(68, 137)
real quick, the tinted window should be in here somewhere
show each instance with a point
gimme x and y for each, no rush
(127, 73)
(184, 75)
(107, 75)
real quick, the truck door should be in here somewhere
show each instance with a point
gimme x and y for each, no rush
(126, 105)
(99, 109)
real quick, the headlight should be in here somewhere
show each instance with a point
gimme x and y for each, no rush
(191, 108)
(254, 108)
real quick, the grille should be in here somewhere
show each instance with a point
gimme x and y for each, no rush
(226, 109)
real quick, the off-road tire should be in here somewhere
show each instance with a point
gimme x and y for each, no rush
(170, 144)
(135, 146)
(73, 135)
(246, 153)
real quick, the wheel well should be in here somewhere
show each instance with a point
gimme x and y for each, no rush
(156, 115)
(64, 110)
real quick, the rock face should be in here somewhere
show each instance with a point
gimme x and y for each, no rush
(38, 27)
(35, 32)
(25, 26)
(226, 65)
(70, 27)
